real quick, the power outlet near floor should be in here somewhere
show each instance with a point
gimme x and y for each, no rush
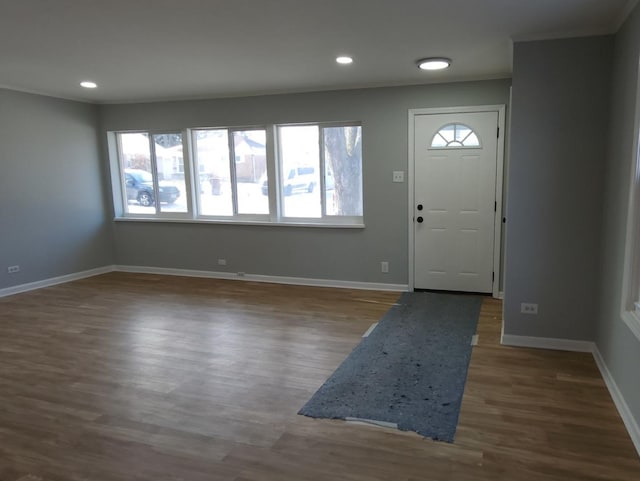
(13, 269)
(384, 266)
(528, 308)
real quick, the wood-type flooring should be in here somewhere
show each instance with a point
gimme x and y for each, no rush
(146, 377)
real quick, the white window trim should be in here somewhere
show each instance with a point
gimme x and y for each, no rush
(329, 220)
(274, 218)
(630, 299)
(202, 220)
(232, 163)
(119, 189)
(448, 146)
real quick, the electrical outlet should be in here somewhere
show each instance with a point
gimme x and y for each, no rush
(13, 269)
(384, 266)
(398, 175)
(528, 308)
(240, 274)
(222, 262)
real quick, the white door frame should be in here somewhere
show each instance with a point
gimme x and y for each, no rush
(497, 245)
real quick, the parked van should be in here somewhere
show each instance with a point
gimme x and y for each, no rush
(296, 179)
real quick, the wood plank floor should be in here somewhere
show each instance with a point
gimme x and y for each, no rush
(143, 377)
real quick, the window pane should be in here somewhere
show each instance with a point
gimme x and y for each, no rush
(472, 141)
(172, 187)
(448, 132)
(462, 131)
(438, 141)
(299, 171)
(251, 171)
(211, 150)
(343, 170)
(455, 136)
(135, 164)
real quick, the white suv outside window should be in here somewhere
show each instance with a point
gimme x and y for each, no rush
(300, 179)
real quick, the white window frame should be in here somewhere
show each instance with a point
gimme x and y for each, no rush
(233, 162)
(192, 181)
(630, 308)
(449, 146)
(120, 188)
(324, 218)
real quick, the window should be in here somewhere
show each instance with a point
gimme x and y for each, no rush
(231, 165)
(250, 147)
(455, 136)
(320, 171)
(307, 174)
(631, 286)
(147, 172)
(631, 281)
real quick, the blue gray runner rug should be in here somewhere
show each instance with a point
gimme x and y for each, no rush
(410, 371)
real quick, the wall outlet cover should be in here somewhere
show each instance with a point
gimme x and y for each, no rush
(398, 175)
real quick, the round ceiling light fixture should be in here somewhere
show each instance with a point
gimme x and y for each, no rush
(88, 84)
(344, 60)
(433, 63)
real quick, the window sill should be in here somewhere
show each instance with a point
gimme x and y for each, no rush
(241, 222)
(632, 320)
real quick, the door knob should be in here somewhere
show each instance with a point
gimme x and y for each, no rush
(420, 207)
(420, 220)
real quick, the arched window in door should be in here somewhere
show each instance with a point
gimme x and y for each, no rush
(455, 136)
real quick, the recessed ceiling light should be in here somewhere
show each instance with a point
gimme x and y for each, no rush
(434, 63)
(344, 60)
(88, 85)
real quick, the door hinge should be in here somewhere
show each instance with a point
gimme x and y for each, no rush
(493, 277)
(498, 134)
(495, 206)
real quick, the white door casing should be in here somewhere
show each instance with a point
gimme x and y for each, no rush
(455, 201)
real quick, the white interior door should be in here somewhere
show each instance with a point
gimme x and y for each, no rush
(455, 157)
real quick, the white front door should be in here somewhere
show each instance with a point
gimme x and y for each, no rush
(455, 157)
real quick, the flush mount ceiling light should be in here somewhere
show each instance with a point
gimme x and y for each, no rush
(88, 84)
(434, 63)
(344, 60)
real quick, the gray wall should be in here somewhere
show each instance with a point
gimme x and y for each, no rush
(618, 346)
(322, 253)
(53, 219)
(559, 125)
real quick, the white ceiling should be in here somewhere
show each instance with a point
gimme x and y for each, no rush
(138, 50)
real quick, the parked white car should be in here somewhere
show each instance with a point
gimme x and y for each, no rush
(303, 178)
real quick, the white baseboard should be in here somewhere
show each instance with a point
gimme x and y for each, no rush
(623, 408)
(31, 286)
(300, 281)
(547, 343)
(584, 346)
